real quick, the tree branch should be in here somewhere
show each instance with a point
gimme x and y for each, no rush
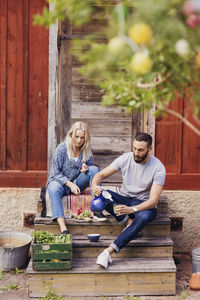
(184, 120)
(157, 82)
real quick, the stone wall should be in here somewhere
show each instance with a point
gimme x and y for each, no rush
(14, 202)
(185, 204)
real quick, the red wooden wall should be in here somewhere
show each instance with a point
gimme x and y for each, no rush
(178, 147)
(23, 95)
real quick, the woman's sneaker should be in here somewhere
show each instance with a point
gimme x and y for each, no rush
(104, 259)
(99, 216)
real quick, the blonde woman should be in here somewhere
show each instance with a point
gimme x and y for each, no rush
(72, 170)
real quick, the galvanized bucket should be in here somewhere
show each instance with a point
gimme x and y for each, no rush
(14, 250)
(196, 260)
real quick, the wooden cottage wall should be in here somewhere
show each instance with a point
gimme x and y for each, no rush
(111, 129)
(24, 95)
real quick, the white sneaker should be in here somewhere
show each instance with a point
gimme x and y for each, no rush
(104, 259)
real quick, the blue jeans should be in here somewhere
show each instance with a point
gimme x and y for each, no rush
(141, 219)
(57, 191)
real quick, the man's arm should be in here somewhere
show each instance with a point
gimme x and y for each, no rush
(106, 172)
(155, 192)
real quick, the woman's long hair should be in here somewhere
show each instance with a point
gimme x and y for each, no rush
(86, 148)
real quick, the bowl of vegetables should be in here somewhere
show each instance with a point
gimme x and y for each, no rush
(83, 215)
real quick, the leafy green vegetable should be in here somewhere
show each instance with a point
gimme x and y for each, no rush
(45, 237)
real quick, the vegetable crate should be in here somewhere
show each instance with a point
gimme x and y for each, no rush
(52, 256)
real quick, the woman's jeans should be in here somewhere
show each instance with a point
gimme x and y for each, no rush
(140, 219)
(57, 191)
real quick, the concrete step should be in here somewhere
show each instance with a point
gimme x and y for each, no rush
(160, 227)
(127, 276)
(140, 247)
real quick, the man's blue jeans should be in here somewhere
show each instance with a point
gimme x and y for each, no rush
(57, 191)
(141, 218)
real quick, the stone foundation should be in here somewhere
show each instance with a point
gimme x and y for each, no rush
(15, 202)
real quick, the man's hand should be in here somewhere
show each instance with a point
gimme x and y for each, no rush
(73, 187)
(123, 210)
(96, 190)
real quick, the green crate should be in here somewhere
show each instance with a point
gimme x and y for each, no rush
(44, 260)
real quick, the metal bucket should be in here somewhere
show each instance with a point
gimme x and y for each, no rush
(196, 260)
(14, 250)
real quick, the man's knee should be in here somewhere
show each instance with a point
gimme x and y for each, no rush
(146, 215)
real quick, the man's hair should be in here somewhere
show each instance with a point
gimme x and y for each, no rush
(144, 137)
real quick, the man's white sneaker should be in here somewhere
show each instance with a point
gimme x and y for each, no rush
(104, 259)
(99, 216)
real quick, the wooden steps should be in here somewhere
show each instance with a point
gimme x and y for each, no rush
(141, 247)
(132, 276)
(144, 267)
(158, 227)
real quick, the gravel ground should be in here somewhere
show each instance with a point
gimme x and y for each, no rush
(15, 286)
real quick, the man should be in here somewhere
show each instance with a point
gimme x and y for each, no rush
(143, 177)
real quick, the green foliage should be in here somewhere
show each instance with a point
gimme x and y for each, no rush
(50, 294)
(78, 12)
(170, 72)
(1, 274)
(45, 237)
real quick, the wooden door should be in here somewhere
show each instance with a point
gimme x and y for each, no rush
(178, 147)
(24, 95)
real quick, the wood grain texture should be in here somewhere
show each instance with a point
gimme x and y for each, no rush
(3, 81)
(134, 277)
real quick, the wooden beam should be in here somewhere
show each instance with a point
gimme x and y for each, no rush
(3, 81)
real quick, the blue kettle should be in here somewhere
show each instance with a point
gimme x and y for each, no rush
(99, 202)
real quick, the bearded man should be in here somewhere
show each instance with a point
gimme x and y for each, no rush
(143, 177)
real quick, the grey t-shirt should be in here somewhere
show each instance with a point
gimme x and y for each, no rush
(137, 177)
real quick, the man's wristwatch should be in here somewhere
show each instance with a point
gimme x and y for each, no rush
(134, 209)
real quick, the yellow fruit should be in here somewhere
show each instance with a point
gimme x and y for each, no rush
(116, 45)
(141, 63)
(182, 47)
(141, 33)
(197, 59)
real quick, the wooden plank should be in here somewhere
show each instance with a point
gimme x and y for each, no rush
(64, 81)
(190, 144)
(112, 145)
(23, 178)
(127, 252)
(134, 277)
(182, 182)
(87, 93)
(160, 227)
(168, 135)
(109, 127)
(96, 111)
(3, 82)
(16, 122)
(38, 91)
(141, 247)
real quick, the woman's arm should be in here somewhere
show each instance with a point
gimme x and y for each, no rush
(59, 158)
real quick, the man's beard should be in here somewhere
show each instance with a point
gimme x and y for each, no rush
(140, 159)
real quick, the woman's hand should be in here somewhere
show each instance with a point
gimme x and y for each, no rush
(84, 168)
(73, 187)
(123, 210)
(96, 190)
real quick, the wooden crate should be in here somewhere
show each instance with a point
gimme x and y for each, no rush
(45, 260)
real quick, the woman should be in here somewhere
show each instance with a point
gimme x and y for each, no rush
(72, 170)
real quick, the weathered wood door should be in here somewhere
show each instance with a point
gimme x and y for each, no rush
(23, 94)
(111, 129)
(178, 147)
